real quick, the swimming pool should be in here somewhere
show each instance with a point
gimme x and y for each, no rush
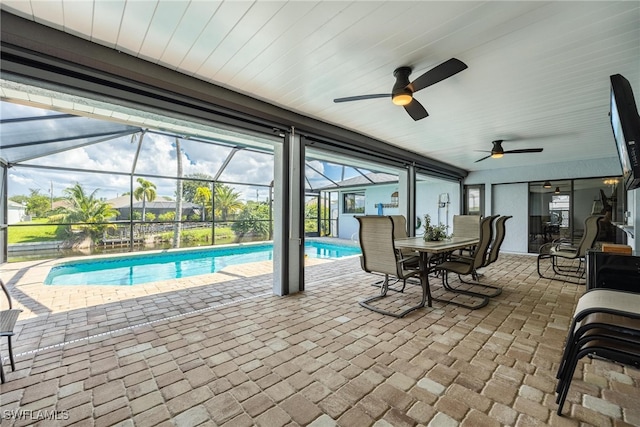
(141, 268)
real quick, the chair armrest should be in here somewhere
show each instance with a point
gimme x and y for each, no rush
(462, 258)
(409, 259)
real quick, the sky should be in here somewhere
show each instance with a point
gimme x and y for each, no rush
(157, 157)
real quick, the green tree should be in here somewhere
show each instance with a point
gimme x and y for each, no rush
(145, 192)
(203, 198)
(190, 187)
(227, 201)
(87, 209)
(254, 219)
(38, 204)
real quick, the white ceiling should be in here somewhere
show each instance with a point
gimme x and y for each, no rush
(538, 72)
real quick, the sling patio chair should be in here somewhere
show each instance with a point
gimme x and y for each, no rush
(466, 226)
(379, 255)
(499, 233)
(8, 319)
(463, 265)
(563, 254)
(597, 308)
(606, 324)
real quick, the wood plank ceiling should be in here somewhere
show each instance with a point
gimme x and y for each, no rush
(538, 72)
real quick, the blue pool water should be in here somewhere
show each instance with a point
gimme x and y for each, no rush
(143, 268)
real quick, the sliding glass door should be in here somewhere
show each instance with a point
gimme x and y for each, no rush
(557, 210)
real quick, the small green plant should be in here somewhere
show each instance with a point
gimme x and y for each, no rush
(434, 232)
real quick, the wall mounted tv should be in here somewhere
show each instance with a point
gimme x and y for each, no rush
(625, 123)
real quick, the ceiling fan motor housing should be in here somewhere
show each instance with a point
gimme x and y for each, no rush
(497, 147)
(401, 87)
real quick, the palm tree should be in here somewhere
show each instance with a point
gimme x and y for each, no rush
(146, 191)
(227, 200)
(86, 209)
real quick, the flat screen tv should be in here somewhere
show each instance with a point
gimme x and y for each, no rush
(625, 123)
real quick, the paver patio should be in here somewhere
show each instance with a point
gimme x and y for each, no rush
(220, 349)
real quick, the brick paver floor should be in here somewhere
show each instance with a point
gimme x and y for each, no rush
(222, 350)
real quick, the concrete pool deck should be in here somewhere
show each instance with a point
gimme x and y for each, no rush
(35, 298)
(222, 350)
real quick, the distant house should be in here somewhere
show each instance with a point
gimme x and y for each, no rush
(157, 207)
(15, 212)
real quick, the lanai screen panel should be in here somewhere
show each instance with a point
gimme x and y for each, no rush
(202, 159)
(110, 156)
(29, 132)
(251, 167)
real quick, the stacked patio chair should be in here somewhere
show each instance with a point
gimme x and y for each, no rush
(379, 255)
(8, 319)
(563, 254)
(606, 324)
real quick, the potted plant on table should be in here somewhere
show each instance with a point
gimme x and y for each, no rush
(434, 232)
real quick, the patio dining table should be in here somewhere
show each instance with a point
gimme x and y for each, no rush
(428, 249)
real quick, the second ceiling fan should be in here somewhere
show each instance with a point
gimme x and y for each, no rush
(497, 151)
(403, 90)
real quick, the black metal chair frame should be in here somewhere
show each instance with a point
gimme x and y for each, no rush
(8, 320)
(562, 250)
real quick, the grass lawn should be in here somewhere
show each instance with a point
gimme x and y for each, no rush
(37, 230)
(223, 235)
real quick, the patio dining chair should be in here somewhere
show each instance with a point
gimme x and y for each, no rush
(8, 319)
(466, 226)
(563, 254)
(463, 265)
(379, 255)
(499, 233)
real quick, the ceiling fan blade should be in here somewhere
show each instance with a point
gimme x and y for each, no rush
(484, 158)
(361, 97)
(437, 74)
(416, 110)
(524, 150)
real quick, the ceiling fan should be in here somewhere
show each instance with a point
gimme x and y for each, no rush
(403, 90)
(497, 151)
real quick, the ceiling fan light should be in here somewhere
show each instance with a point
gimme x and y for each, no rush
(547, 184)
(496, 155)
(402, 98)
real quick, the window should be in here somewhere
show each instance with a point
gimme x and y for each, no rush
(353, 203)
(473, 199)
